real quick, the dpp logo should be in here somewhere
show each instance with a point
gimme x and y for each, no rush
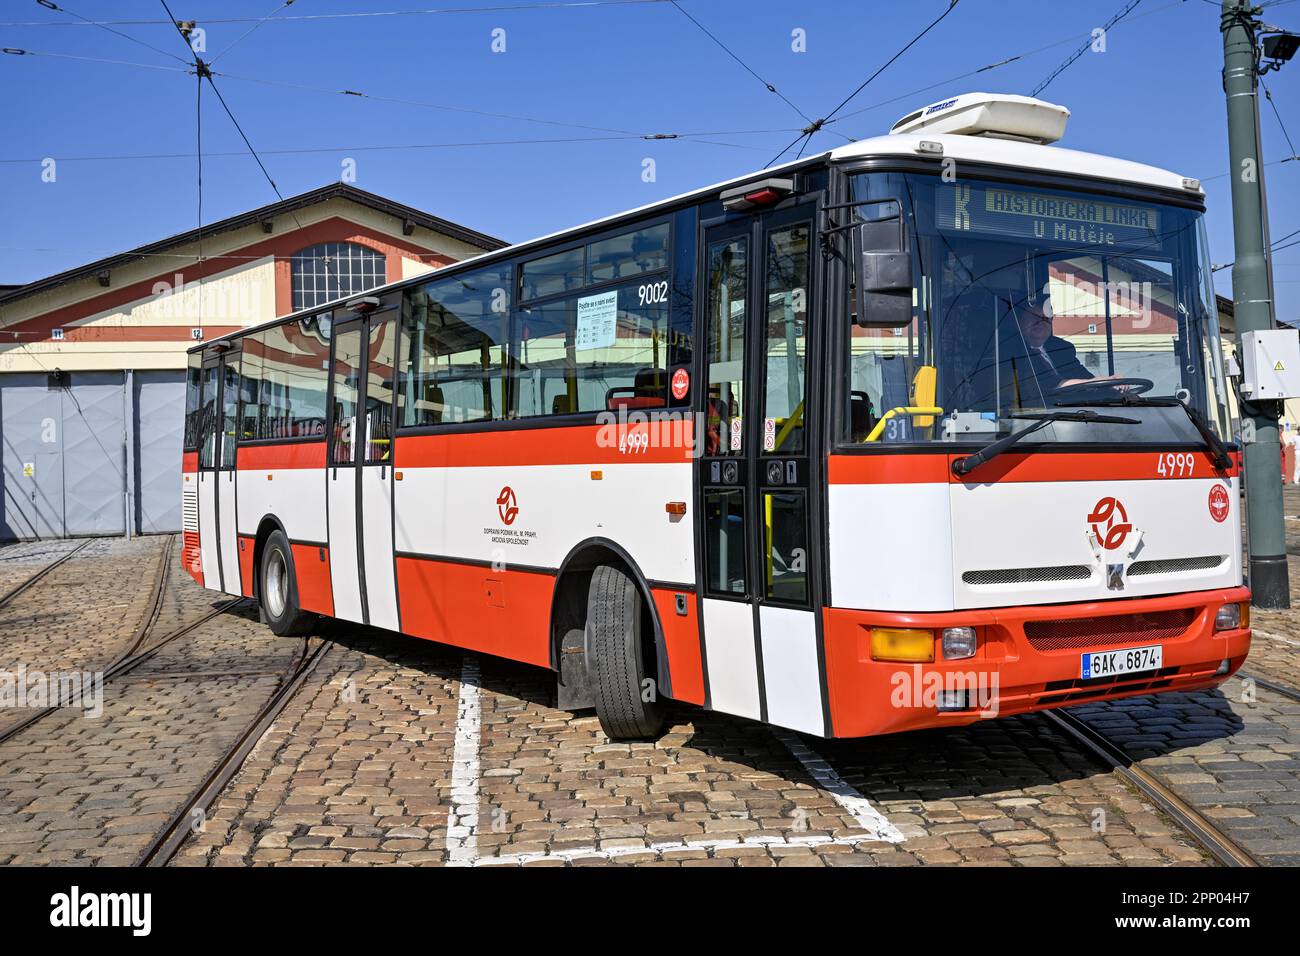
(1110, 523)
(507, 505)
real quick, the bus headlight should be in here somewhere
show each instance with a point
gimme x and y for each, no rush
(1229, 618)
(958, 642)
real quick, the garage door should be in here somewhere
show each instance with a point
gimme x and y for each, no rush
(159, 421)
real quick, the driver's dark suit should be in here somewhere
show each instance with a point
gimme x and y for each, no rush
(1055, 362)
(1025, 377)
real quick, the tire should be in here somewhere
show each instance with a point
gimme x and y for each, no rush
(277, 589)
(617, 658)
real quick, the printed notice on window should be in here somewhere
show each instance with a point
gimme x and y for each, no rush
(597, 321)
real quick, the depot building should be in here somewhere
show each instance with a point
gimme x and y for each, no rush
(92, 360)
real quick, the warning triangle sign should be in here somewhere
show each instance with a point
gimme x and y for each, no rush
(1278, 367)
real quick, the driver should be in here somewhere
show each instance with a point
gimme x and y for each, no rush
(1050, 359)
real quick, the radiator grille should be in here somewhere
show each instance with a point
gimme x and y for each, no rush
(1081, 632)
(1065, 572)
(1173, 565)
(190, 510)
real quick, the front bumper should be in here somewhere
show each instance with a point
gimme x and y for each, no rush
(1028, 659)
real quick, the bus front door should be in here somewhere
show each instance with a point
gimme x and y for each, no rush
(360, 470)
(757, 598)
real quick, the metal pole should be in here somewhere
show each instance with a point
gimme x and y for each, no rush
(1253, 304)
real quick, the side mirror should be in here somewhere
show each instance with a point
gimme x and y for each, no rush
(884, 268)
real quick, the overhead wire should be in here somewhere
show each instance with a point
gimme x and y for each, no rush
(347, 15)
(813, 128)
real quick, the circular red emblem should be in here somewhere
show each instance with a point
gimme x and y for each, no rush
(1110, 523)
(1219, 503)
(681, 383)
(507, 506)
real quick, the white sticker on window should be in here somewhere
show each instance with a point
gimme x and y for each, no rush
(597, 321)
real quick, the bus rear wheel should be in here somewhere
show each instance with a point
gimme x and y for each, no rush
(618, 657)
(278, 592)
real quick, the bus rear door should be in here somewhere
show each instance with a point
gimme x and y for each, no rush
(219, 400)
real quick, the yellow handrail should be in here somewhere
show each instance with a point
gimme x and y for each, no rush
(901, 410)
(795, 419)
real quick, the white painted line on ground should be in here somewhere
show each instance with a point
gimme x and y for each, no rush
(847, 796)
(659, 849)
(462, 818)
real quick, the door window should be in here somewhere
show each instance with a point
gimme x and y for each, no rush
(229, 409)
(728, 274)
(208, 418)
(785, 340)
(347, 365)
(379, 391)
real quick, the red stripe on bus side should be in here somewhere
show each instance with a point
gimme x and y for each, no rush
(575, 445)
(506, 613)
(1084, 466)
(289, 455)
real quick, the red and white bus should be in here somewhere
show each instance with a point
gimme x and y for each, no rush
(924, 428)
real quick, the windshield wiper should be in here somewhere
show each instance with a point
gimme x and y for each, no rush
(1222, 460)
(967, 464)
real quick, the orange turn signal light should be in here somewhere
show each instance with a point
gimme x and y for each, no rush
(675, 507)
(906, 644)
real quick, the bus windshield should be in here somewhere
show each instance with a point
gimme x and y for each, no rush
(1029, 300)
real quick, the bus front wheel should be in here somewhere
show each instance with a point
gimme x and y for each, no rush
(619, 659)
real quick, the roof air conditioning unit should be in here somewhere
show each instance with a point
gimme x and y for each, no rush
(996, 115)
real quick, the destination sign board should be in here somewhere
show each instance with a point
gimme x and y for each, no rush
(1019, 213)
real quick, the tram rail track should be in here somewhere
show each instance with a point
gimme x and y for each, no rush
(1219, 845)
(1271, 685)
(143, 646)
(37, 576)
(131, 656)
(167, 841)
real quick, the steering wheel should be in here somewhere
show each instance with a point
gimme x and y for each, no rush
(1132, 386)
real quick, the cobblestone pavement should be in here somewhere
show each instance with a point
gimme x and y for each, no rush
(20, 560)
(81, 614)
(398, 751)
(82, 789)
(446, 758)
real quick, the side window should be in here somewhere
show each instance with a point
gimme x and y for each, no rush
(452, 349)
(602, 351)
(553, 275)
(250, 385)
(630, 254)
(193, 400)
(294, 376)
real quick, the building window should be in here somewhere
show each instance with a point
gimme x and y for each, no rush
(332, 270)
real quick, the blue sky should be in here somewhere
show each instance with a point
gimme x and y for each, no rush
(1153, 96)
